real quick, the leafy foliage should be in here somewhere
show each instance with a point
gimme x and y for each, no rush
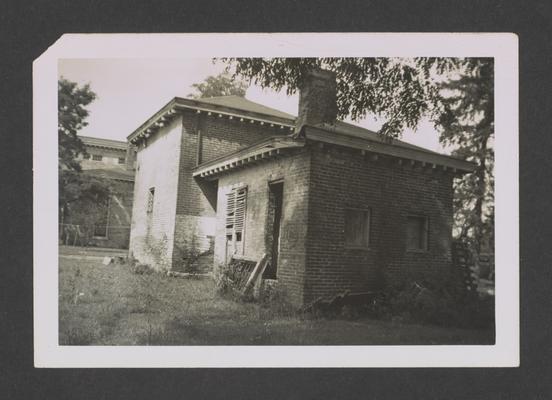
(467, 125)
(455, 93)
(72, 114)
(401, 91)
(220, 85)
(74, 187)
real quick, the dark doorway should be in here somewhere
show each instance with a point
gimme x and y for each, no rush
(275, 198)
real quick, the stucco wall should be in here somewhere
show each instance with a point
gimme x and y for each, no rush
(294, 170)
(152, 234)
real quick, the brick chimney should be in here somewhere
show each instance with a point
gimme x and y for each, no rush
(317, 99)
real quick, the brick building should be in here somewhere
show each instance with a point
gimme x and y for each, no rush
(112, 162)
(334, 206)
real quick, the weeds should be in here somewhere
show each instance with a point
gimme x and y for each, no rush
(124, 308)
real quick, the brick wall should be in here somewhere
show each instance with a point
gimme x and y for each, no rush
(343, 178)
(152, 234)
(294, 169)
(195, 209)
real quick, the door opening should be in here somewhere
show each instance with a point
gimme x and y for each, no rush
(275, 199)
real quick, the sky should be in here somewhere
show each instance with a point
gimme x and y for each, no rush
(129, 91)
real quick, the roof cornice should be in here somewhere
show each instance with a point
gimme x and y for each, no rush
(261, 151)
(179, 104)
(414, 155)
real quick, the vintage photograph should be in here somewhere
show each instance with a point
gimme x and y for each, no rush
(276, 201)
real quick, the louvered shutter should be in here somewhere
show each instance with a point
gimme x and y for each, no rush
(240, 206)
(235, 212)
(230, 213)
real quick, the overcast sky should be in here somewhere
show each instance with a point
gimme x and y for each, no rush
(129, 91)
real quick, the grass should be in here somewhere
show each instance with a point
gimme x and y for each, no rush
(109, 305)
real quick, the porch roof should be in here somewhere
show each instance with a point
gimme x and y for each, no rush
(261, 151)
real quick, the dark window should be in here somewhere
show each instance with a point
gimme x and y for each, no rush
(417, 232)
(86, 156)
(235, 213)
(97, 157)
(121, 160)
(357, 228)
(151, 196)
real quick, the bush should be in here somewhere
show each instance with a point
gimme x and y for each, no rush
(275, 299)
(141, 269)
(223, 281)
(439, 302)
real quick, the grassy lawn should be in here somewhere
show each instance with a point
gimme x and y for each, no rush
(109, 305)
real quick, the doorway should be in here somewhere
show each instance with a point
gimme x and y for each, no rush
(275, 204)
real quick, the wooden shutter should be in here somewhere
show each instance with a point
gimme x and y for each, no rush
(236, 202)
(239, 215)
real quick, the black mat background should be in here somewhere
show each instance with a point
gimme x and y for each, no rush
(28, 28)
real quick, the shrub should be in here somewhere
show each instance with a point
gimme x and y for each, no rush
(189, 259)
(223, 281)
(275, 299)
(141, 269)
(438, 302)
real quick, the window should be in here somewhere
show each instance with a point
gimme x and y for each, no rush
(417, 232)
(97, 157)
(101, 224)
(151, 195)
(235, 214)
(121, 160)
(86, 156)
(357, 228)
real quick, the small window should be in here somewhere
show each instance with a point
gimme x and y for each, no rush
(357, 228)
(97, 157)
(86, 156)
(121, 160)
(417, 232)
(151, 195)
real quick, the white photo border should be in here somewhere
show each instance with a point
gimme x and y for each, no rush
(503, 47)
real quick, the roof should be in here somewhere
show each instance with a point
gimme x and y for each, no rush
(241, 103)
(106, 143)
(265, 149)
(121, 174)
(339, 133)
(367, 141)
(348, 129)
(225, 106)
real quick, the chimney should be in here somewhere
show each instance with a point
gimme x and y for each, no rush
(317, 99)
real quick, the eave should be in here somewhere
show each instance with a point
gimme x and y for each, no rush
(271, 148)
(179, 104)
(404, 155)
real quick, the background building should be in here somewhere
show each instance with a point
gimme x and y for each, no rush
(108, 224)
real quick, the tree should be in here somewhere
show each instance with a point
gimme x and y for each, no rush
(456, 94)
(73, 185)
(72, 114)
(220, 85)
(401, 91)
(467, 125)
